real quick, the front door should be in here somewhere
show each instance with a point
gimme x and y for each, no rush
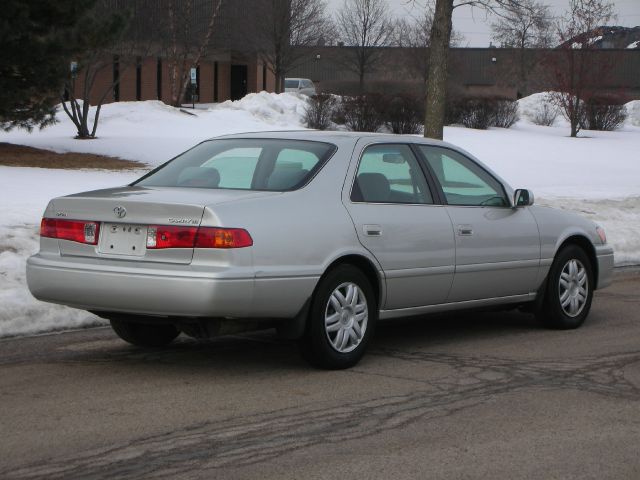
(238, 81)
(391, 203)
(497, 246)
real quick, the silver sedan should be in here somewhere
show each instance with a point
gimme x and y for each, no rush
(318, 234)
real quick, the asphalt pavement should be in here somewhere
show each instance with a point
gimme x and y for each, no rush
(464, 396)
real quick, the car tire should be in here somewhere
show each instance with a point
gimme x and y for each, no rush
(569, 290)
(145, 335)
(341, 321)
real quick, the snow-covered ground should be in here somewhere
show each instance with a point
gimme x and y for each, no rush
(597, 175)
(153, 132)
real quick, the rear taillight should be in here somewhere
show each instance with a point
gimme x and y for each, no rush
(74, 230)
(171, 237)
(213, 237)
(159, 236)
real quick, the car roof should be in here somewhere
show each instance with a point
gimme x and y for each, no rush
(333, 136)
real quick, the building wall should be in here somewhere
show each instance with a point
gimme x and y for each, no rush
(206, 83)
(149, 80)
(224, 81)
(472, 71)
(127, 85)
(148, 77)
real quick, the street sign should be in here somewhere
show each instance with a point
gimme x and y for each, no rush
(194, 76)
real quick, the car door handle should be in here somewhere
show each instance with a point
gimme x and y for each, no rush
(372, 230)
(465, 230)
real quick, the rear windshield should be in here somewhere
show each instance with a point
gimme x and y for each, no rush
(291, 83)
(243, 164)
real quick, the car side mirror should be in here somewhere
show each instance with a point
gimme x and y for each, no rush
(522, 198)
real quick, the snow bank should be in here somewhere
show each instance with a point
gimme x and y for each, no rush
(24, 193)
(620, 219)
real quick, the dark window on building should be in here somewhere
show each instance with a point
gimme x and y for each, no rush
(215, 81)
(238, 81)
(159, 79)
(139, 78)
(116, 78)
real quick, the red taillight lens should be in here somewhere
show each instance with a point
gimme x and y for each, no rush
(162, 236)
(159, 236)
(213, 237)
(74, 230)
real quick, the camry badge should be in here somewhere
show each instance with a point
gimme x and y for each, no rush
(120, 212)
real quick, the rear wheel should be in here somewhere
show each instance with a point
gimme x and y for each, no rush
(569, 291)
(341, 319)
(145, 335)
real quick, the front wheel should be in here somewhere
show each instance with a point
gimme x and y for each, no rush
(569, 291)
(341, 319)
(145, 335)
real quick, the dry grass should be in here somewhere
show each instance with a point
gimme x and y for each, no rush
(20, 156)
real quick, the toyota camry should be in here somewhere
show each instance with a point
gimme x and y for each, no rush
(316, 234)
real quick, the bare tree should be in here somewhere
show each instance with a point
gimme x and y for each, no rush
(282, 27)
(525, 26)
(414, 37)
(101, 40)
(187, 38)
(577, 71)
(364, 26)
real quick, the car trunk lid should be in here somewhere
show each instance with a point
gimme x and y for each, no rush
(125, 214)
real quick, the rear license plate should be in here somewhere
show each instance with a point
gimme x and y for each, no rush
(123, 239)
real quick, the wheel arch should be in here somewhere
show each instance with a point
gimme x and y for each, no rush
(367, 267)
(585, 244)
(295, 327)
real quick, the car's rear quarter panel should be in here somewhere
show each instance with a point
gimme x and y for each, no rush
(296, 236)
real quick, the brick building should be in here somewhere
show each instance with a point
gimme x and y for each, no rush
(229, 69)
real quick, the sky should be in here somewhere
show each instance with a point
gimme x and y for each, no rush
(475, 25)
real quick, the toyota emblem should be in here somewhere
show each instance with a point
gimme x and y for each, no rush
(120, 212)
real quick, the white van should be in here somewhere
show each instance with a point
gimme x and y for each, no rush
(299, 85)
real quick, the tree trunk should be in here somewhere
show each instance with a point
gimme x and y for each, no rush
(438, 63)
(361, 82)
(574, 128)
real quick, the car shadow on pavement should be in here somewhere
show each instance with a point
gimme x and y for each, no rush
(262, 351)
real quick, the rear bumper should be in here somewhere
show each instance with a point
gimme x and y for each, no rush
(149, 291)
(604, 255)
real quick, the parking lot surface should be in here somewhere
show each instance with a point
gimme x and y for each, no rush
(471, 395)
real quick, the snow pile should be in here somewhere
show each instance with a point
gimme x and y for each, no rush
(276, 109)
(633, 112)
(532, 107)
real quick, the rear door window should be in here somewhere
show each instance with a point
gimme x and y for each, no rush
(390, 174)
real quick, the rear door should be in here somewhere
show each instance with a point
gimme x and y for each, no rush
(497, 247)
(392, 206)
